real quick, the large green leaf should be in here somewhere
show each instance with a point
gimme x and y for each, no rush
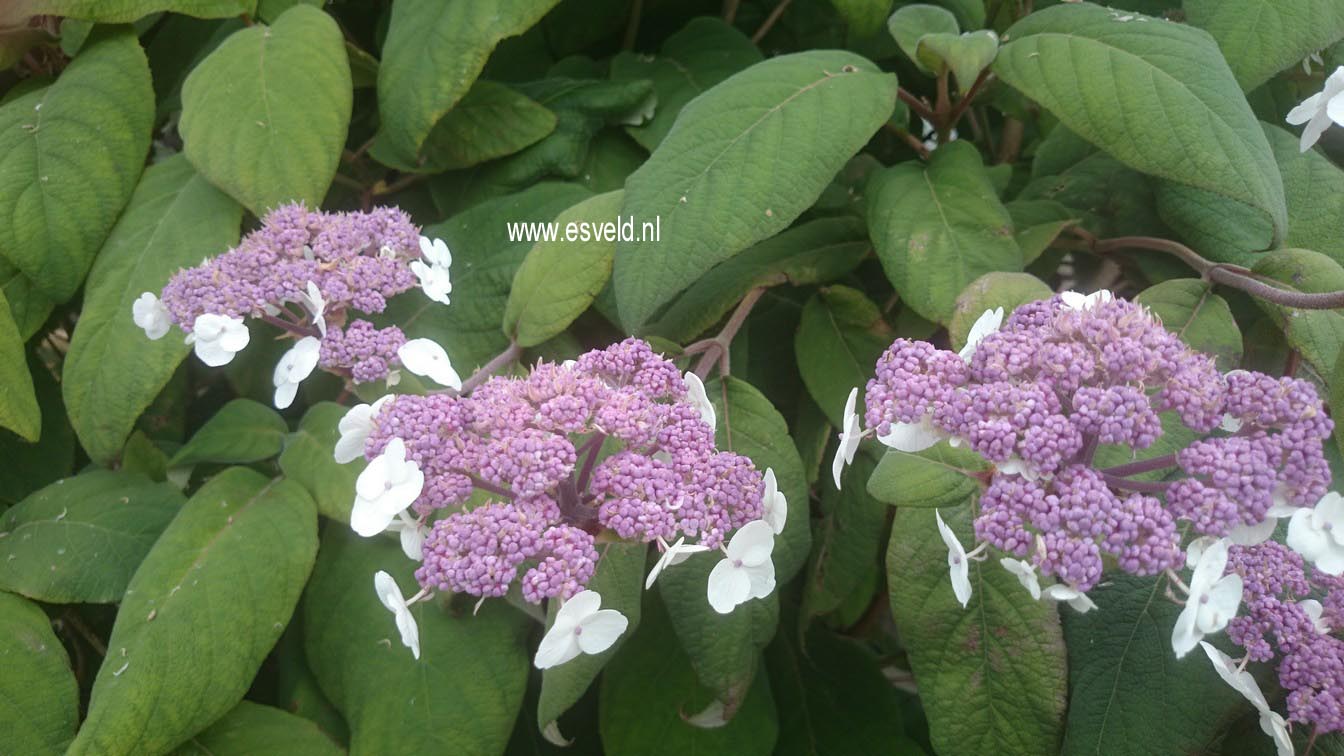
(991, 676)
(123, 11)
(18, 399)
(559, 278)
(113, 371)
(491, 121)
(846, 542)
(461, 696)
(742, 162)
(30, 466)
(27, 304)
(703, 53)
(1259, 39)
(939, 227)
(309, 460)
(433, 53)
(1128, 694)
(1155, 95)
(241, 431)
(41, 697)
(265, 115)
(1317, 334)
(841, 335)
(941, 476)
(649, 690)
(992, 291)
(70, 154)
(1189, 308)
(252, 729)
(201, 613)
(79, 540)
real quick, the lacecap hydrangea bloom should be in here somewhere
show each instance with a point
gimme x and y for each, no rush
(511, 487)
(1038, 393)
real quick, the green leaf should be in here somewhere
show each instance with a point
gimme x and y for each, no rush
(491, 121)
(650, 688)
(991, 676)
(1189, 308)
(741, 164)
(124, 11)
(965, 55)
(940, 227)
(810, 253)
(703, 53)
(242, 431)
(79, 540)
(18, 399)
(252, 728)
(70, 154)
(460, 697)
(1317, 334)
(846, 543)
(265, 115)
(1128, 694)
(30, 466)
(970, 13)
(1155, 95)
(911, 22)
(484, 263)
(1336, 398)
(41, 697)
(559, 279)
(864, 17)
(27, 304)
(620, 581)
(211, 599)
(113, 371)
(433, 53)
(839, 339)
(1260, 39)
(308, 459)
(941, 476)
(991, 291)
(1038, 224)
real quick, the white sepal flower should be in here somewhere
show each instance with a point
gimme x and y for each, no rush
(912, 437)
(1320, 110)
(1212, 602)
(1076, 599)
(1026, 575)
(391, 596)
(1017, 466)
(1230, 423)
(1195, 550)
(150, 314)
(412, 533)
(355, 429)
(989, 322)
(1318, 534)
(1083, 302)
(1316, 612)
(217, 338)
(434, 277)
(1272, 724)
(774, 504)
(389, 485)
(850, 435)
(746, 572)
(425, 357)
(1250, 535)
(957, 561)
(294, 365)
(580, 627)
(1241, 681)
(672, 555)
(695, 393)
(317, 305)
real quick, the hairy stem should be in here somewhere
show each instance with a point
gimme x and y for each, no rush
(512, 353)
(968, 98)
(1141, 466)
(289, 327)
(594, 448)
(1142, 486)
(717, 352)
(770, 21)
(918, 106)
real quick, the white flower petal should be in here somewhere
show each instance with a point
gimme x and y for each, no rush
(580, 605)
(989, 322)
(599, 630)
(695, 393)
(284, 394)
(752, 544)
(1238, 679)
(728, 586)
(151, 315)
(367, 519)
(556, 648)
(425, 357)
(1184, 635)
(762, 579)
(774, 504)
(1026, 574)
(912, 437)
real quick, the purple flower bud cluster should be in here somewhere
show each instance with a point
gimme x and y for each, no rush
(356, 260)
(1275, 619)
(609, 445)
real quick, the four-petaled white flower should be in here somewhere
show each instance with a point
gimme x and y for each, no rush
(1212, 602)
(775, 506)
(1318, 534)
(425, 357)
(390, 595)
(1242, 682)
(1026, 574)
(434, 278)
(672, 555)
(295, 365)
(150, 314)
(355, 428)
(850, 435)
(1320, 110)
(695, 392)
(317, 305)
(1316, 612)
(957, 561)
(217, 338)
(746, 571)
(580, 626)
(1076, 599)
(989, 322)
(1083, 302)
(386, 487)
(412, 533)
